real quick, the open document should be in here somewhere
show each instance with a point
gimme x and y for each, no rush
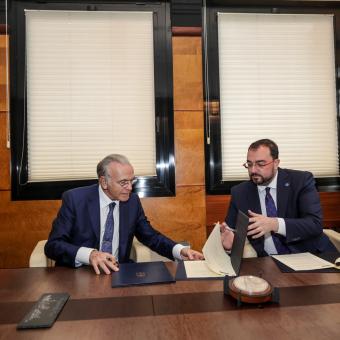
(304, 261)
(217, 262)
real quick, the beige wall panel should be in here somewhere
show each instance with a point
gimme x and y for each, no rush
(23, 224)
(189, 148)
(187, 68)
(181, 217)
(189, 162)
(3, 97)
(3, 73)
(4, 154)
(4, 124)
(189, 120)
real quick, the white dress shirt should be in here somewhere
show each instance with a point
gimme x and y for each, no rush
(83, 254)
(269, 245)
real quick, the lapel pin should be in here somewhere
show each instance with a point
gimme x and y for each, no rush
(287, 184)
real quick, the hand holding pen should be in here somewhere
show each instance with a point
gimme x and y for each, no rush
(227, 236)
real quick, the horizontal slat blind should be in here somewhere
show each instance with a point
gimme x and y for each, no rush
(90, 92)
(277, 80)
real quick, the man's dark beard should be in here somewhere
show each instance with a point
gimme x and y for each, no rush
(261, 180)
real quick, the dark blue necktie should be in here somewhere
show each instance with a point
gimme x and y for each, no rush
(272, 212)
(108, 233)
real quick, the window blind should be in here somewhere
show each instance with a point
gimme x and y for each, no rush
(277, 81)
(90, 92)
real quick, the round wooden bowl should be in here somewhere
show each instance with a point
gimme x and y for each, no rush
(250, 289)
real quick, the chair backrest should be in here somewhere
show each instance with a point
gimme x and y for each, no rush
(38, 257)
(248, 250)
(334, 237)
(139, 253)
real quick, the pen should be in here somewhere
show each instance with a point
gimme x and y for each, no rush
(227, 228)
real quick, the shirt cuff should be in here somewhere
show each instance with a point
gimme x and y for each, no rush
(83, 256)
(282, 227)
(176, 251)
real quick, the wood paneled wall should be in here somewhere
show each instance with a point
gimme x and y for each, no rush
(184, 217)
(23, 223)
(4, 118)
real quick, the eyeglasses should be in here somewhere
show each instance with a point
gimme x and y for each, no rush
(125, 182)
(257, 164)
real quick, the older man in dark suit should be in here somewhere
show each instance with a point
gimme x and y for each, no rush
(96, 224)
(283, 206)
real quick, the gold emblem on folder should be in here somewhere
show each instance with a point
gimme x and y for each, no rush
(140, 274)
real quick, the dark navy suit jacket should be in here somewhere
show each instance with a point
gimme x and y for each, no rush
(78, 225)
(298, 203)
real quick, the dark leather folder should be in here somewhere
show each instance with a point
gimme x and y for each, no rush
(141, 273)
(240, 236)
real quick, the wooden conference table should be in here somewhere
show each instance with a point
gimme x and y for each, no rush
(196, 309)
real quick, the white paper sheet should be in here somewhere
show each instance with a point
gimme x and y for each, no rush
(303, 261)
(197, 269)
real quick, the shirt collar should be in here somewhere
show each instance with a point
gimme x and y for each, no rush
(272, 184)
(105, 200)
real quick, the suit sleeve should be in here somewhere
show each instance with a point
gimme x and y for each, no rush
(150, 237)
(308, 220)
(59, 245)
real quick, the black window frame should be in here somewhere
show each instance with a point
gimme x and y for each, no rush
(163, 184)
(213, 162)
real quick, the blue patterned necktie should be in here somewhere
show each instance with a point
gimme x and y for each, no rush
(272, 212)
(108, 233)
